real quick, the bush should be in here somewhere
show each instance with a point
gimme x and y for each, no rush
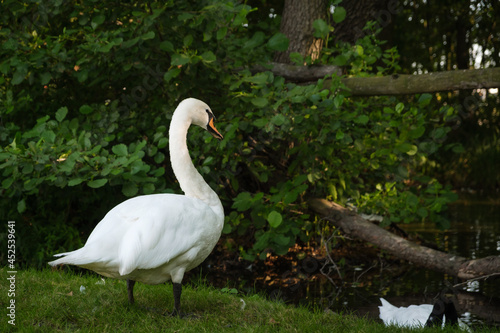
(86, 103)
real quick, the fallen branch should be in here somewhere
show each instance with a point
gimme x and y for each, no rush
(355, 226)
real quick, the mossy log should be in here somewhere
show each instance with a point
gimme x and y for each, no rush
(403, 84)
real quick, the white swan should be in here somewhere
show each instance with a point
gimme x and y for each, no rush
(155, 238)
(418, 316)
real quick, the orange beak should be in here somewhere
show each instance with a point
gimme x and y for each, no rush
(212, 130)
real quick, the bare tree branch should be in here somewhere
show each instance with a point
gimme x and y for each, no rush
(393, 84)
(423, 83)
(299, 73)
(355, 226)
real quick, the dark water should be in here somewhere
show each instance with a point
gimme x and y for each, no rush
(474, 233)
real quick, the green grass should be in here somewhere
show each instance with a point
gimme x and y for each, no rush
(51, 301)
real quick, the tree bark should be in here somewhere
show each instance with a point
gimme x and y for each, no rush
(422, 83)
(298, 73)
(355, 226)
(359, 12)
(297, 24)
(391, 85)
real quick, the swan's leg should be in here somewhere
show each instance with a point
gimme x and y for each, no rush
(130, 290)
(177, 299)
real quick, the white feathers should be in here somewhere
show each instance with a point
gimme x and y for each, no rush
(411, 316)
(417, 316)
(155, 238)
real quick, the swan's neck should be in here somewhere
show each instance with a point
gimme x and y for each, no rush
(190, 180)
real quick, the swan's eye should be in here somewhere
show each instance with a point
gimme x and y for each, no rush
(210, 115)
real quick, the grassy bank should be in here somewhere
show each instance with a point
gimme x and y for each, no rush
(48, 301)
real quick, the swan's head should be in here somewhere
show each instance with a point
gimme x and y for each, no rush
(199, 113)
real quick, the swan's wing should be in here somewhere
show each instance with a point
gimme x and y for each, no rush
(101, 248)
(165, 228)
(145, 232)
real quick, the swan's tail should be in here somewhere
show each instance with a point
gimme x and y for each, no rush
(71, 258)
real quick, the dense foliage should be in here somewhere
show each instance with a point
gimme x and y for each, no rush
(88, 88)
(448, 35)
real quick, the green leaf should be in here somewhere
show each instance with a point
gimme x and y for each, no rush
(61, 113)
(129, 189)
(363, 119)
(411, 200)
(148, 188)
(99, 19)
(148, 35)
(403, 147)
(208, 56)
(242, 202)
(339, 14)
(413, 150)
(340, 60)
(162, 143)
(321, 29)
(424, 100)
(399, 107)
(7, 182)
(120, 149)
(21, 206)
(422, 212)
(279, 42)
(45, 78)
(179, 59)
(75, 181)
(260, 78)
(261, 122)
(159, 157)
(221, 33)
(407, 148)
(259, 101)
(167, 46)
(282, 240)
(458, 148)
(85, 109)
(129, 43)
(359, 50)
(256, 40)
(278, 120)
(97, 183)
(274, 218)
(18, 77)
(173, 73)
(49, 136)
(290, 197)
(188, 40)
(417, 133)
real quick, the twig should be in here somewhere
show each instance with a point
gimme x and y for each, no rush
(476, 279)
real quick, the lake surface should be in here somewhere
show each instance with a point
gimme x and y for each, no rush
(474, 233)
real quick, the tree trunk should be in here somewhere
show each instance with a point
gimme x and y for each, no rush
(297, 24)
(361, 11)
(355, 226)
